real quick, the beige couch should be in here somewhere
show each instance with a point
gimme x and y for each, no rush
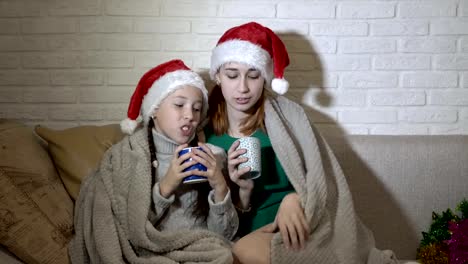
(397, 181)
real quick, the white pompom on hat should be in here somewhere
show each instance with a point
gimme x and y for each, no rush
(256, 46)
(157, 84)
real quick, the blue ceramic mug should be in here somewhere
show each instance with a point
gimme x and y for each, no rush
(197, 166)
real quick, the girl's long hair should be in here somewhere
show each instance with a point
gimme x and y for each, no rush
(200, 205)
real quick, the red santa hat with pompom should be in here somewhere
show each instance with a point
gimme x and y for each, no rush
(256, 46)
(157, 84)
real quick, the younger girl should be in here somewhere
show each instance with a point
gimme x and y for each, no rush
(135, 208)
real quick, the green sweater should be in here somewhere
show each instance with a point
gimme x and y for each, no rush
(269, 188)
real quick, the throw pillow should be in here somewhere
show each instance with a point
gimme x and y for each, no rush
(35, 210)
(26, 231)
(77, 151)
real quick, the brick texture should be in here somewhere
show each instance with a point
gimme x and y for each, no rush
(366, 67)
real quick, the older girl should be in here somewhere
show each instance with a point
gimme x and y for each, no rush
(300, 210)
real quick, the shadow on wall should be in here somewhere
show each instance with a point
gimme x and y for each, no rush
(305, 69)
(373, 200)
(306, 73)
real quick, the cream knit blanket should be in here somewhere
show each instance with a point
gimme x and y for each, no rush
(337, 234)
(113, 216)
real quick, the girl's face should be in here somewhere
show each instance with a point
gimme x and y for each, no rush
(179, 114)
(241, 86)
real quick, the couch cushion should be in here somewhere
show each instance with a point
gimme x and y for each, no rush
(77, 151)
(36, 211)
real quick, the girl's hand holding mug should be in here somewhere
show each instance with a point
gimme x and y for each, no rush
(213, 173)
(175, 173)
(245, 185)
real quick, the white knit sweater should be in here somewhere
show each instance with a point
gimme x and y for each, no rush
(175, 212)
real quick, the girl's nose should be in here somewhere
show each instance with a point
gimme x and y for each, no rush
(188, 114)
(243, 85)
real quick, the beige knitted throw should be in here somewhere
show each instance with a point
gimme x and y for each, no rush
(113, 216)
(337, 234)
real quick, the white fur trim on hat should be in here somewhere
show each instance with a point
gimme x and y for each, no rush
(244, 52)
(168, 84)
(128, 126)
(280, 86)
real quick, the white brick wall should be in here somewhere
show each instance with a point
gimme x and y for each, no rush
(366, 67)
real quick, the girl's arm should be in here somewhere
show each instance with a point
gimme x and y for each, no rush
(163, 191)
(161, 203)
(222, 217)
(291, 222)
(245, 186)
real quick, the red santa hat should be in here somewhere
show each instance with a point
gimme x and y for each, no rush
(157, 84)
(256, 46)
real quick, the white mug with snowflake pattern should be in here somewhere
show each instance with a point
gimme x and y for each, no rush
(252, 145)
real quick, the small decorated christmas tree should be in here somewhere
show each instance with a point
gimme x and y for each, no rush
(447, 238)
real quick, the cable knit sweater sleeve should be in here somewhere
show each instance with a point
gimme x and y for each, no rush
(161, 204)
(222, 218)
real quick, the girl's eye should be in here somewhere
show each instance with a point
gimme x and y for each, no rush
(254, 76)
(197, 108)
(178, 105)
(232, 76)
